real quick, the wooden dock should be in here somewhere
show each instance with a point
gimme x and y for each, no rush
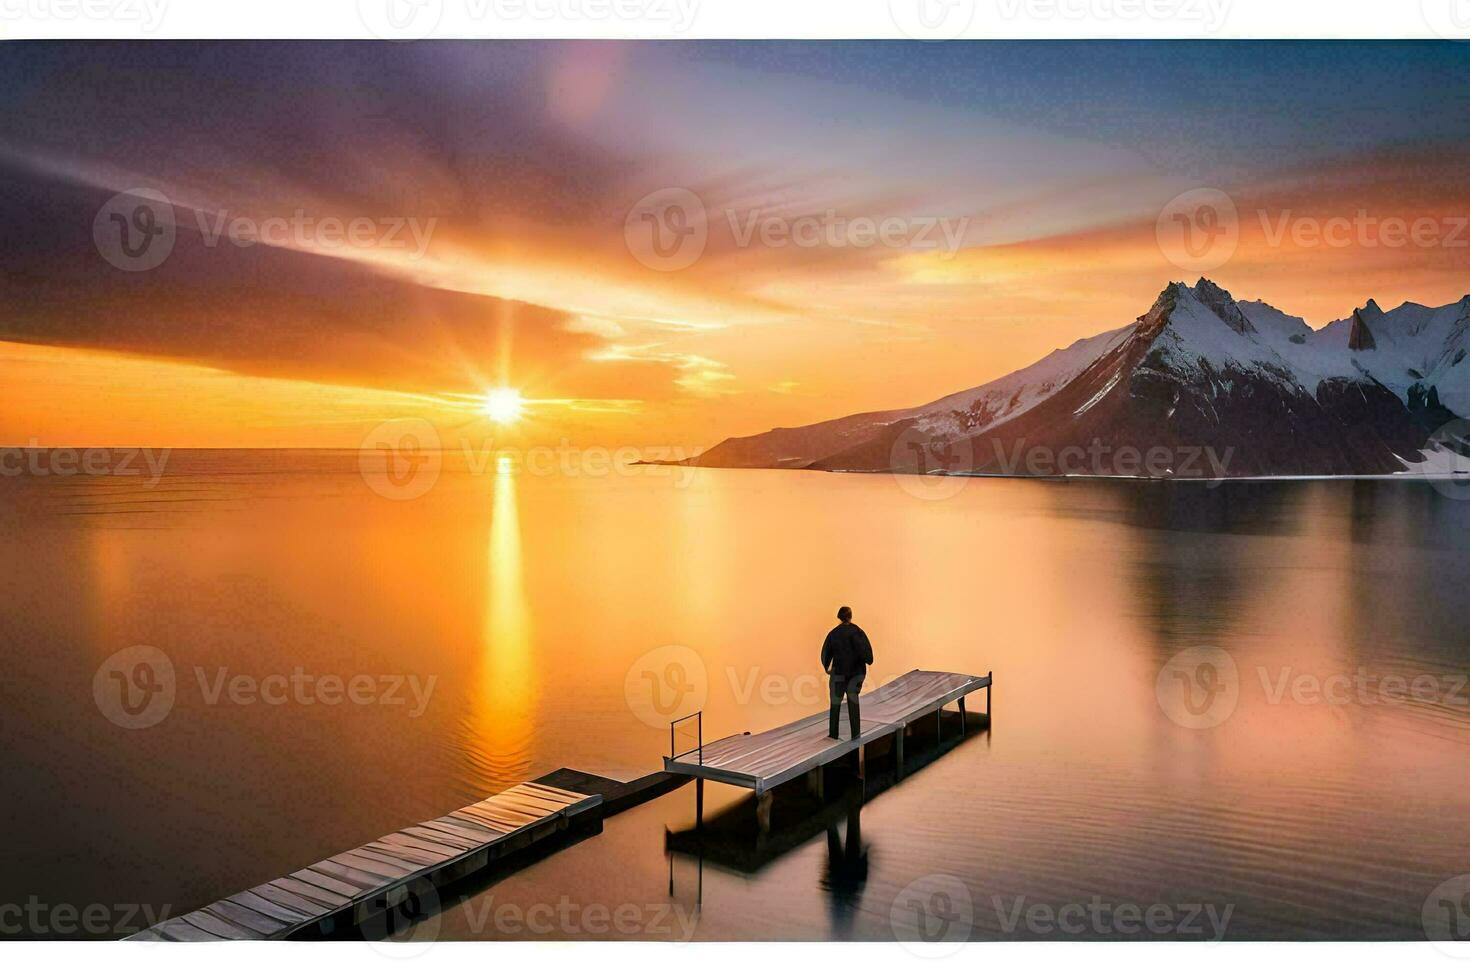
(338, 895)
(765, 760)
(356, 885)
(735, 840)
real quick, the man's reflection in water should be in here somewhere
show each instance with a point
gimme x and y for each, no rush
(847, 868)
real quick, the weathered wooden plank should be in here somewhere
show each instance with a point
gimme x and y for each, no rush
(247, 918)
(357, 876)
(258, 903)
(469, 816)
(409, 848)
(291, 900)
(389, 868)
(347, 889)
(365, 873)
(179, 931)
(218, 927)
(450, 824)
(496, 813)
(769, 758)
(493, 817)
(511, 816)
(417, 845)
(529, 802)
(419, 859)
(556, 794)
(311, 891)
(458, 837)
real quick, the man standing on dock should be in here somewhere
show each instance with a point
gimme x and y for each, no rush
(846, 654)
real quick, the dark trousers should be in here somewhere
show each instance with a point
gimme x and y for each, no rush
(837, 687)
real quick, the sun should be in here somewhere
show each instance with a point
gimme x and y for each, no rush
(502, 405)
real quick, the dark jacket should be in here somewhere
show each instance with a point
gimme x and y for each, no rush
(846, 652)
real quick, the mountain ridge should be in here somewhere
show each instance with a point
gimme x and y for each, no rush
(1199, 376)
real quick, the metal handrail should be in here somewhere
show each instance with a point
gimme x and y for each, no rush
(700, 730)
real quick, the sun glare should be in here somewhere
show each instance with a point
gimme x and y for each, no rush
(503, 405)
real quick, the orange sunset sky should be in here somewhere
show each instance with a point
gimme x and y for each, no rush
(495, 188)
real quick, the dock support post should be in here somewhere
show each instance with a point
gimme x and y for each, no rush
(962, 717)
(862, 762)
(988, 713)
(898, 749)
(763, 811)
(699, 803)
(816, 783)
(939, 724)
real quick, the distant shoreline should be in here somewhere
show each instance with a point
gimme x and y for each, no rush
(1271, 478)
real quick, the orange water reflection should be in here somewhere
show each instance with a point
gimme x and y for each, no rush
(501, 722)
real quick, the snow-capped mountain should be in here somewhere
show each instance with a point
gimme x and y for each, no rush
(1200, 385)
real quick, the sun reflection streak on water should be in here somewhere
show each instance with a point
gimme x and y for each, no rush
(501, 722)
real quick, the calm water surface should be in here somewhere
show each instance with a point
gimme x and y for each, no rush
(527, 602)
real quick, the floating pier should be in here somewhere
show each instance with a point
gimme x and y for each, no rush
(765, 760)
(338, 895)
(354, 886)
